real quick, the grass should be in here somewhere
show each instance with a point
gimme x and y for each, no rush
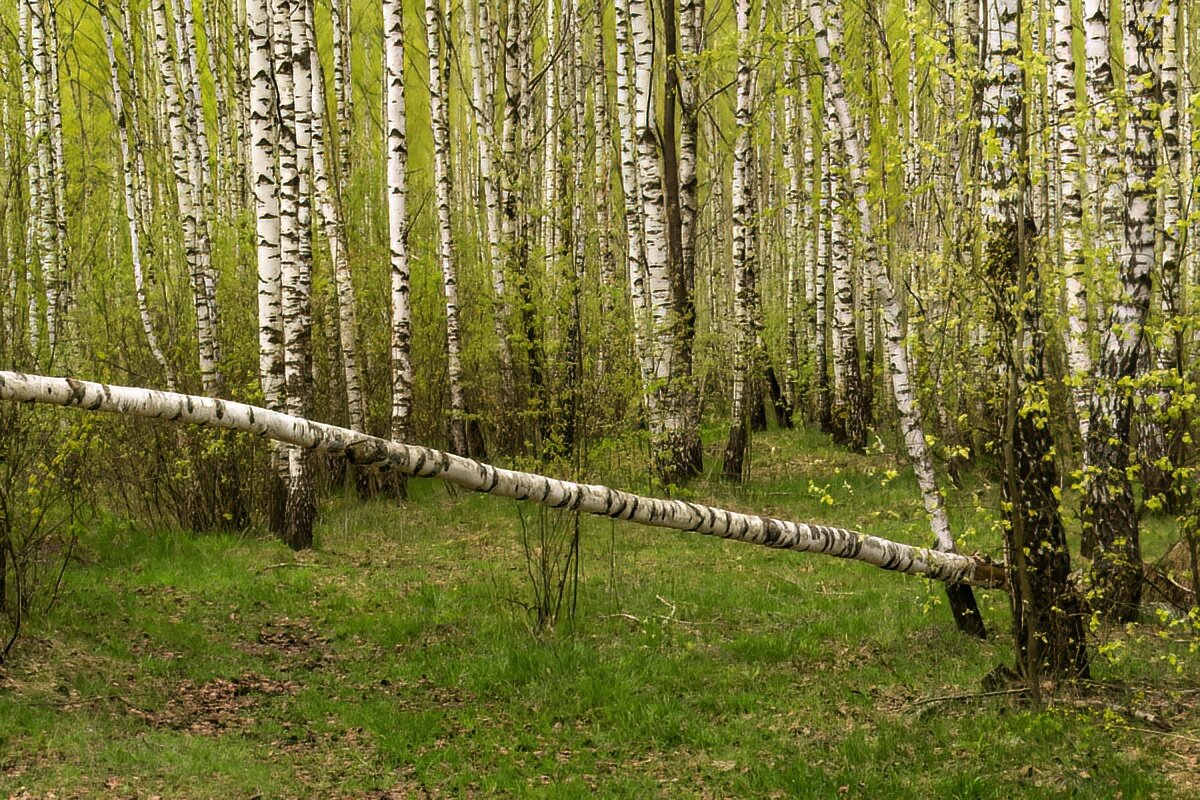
(396, 660)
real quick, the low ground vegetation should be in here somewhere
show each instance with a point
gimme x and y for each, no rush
(399, 658)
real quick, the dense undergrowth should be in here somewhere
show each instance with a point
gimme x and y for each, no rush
(398, 659)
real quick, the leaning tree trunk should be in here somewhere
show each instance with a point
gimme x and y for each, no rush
(1109, 513)
(428, 463)
(1047, 611)
(828, 40)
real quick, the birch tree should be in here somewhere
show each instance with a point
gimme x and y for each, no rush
(675, 444)
(1047, 613)
(196, 242)
(828, 32)
(635, 247)
(1160, 432)
(1109, 514)
(1070, 177)
(478, 27)
(475, 476)
(264, 111)
(396, 127)
(333, 224)
(745, 332)
(850, 423)
(132, 212)
(293, 61)
(439, 81)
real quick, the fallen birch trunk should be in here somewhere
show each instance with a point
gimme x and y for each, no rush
(424, 462)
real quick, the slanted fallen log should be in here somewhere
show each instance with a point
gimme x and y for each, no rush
(424, 462)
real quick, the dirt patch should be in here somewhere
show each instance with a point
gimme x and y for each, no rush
(293, 641)
(422, 693)
(218, 706)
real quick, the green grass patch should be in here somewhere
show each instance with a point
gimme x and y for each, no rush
(397, 656)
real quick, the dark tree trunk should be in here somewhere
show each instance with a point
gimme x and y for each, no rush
(783, 408)
(1048, 613)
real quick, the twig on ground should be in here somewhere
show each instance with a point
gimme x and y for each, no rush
(971, 696)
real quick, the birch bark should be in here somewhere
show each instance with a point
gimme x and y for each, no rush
(743, 256)
(1109, 514)
(473, 475)
(483, 109)
(675, 443)
(187, 190)
(439, 80)
(850, 423)
(635, 248)
(131, 210)
(333, 224)
(397, 194)
(1047, 612)
(828, 30)
(1071, 175)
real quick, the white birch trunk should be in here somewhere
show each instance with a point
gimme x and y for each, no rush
(47, 181)
(131, 210)
(473, 475)
(847, 378)
(794, 238)
(1109, 515)
(828, 40)
(292, 46)
(744, 255)
(195, 233)
(1103, 160)
(550, 128)
(602, 132)
(199, 155)
(1071, 173)
(439, 118)
(263, 140)
(334, 226)
(670, 421)
(397, 192)
(635, 248)
(483, 110)
(29, 90)
(691, 42)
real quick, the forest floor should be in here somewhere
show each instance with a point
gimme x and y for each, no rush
(399, 659)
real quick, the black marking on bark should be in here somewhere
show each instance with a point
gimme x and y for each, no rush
(495, 479)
